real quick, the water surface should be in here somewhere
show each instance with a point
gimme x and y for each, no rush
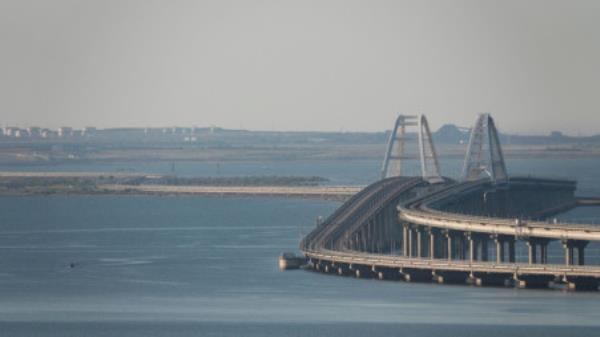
(198, 266)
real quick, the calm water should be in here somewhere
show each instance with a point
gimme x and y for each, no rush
(196, 266)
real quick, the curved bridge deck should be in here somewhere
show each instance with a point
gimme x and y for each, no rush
(423, 241)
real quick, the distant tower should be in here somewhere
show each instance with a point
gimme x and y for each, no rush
(395, 154)
(484, 154)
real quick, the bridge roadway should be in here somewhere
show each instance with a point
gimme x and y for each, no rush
(355, 210)
(420, 211)
(322, 192)
(326, 251)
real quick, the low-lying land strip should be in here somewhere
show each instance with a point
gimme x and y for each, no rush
(27, 183)
(325, 192)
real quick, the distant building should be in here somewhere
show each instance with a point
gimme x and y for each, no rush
(20, 133)
(153, 132)
(34, 132)
(89, 131)
(65, 131)
(47, 133)
(10, 131)
(120, 134)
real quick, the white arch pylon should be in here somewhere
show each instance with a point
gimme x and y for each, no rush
(395, 154)
(484, 153)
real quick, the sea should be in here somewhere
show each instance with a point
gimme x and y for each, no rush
(109, 265)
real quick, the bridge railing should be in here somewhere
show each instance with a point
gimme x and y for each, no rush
(309, 240)
(369, 198)
(464, 265)
(423, 205)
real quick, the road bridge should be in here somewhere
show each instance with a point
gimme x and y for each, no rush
(423, 229)
(320, 192)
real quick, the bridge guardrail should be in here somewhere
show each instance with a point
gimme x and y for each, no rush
(421, 207)
(441, 264)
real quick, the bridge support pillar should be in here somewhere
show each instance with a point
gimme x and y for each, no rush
(450, 252)
(531, 251)
(419, 242)
(471, 249)
(361, 271)
(533, 244)
(472, 246)
(511, 250)
(568, 255)
(581, 252)
(342, 270)
(484, 248)
(581, 283)
(569, 246)
(580, 255)
(431, 243)
(544, 251)
(499, 248)
(411, 239)
(405, 241)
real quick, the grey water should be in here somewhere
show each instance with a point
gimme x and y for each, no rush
(339, 172)
(199, 266)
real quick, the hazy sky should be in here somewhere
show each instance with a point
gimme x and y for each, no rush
(300, 65)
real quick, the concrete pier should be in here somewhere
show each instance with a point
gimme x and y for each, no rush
(533, 281)
(490, 279)
(451, 277)
(416, 275)
(581, 283)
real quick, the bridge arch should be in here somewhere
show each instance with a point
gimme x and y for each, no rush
(484, 153)
(395, 154)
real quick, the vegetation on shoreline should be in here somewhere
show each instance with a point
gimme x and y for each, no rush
(93, 184)
(272, 180)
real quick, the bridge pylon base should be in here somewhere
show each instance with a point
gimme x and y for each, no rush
(416, 275)
(383, 273)
(450, 277)
(487, 279)
(343, 270)
(533, 281)
(582, 283)
(361, 271)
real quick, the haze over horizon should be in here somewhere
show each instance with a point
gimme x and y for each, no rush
(301, 65)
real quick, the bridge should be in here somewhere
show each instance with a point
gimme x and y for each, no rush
(435, 229)
(317, 192)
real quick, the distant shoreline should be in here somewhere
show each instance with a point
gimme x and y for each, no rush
(101, 183)
(21, 154)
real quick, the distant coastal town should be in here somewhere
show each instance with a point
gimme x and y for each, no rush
(37, 145)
